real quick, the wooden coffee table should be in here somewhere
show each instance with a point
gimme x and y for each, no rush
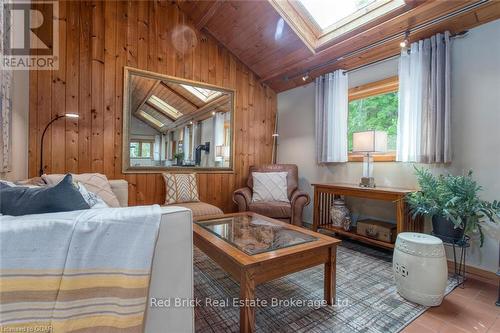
(255, 249)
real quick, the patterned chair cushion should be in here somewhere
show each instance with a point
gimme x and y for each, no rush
(94, 182)
(269, 186)
(180, 187)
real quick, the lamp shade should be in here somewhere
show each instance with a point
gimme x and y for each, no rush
(369, 142)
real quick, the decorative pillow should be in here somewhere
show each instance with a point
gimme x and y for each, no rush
(92, 199)
(94, 182)
(269, 186)
(180, 187)
(20, 200)
(35, 181)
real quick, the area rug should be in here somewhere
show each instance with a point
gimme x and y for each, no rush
(367, 300)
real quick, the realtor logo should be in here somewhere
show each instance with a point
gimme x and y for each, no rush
(29, 33)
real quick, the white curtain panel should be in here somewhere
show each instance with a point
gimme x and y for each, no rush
(424, 116)
(196, 137)
(331, 107)
(5, 105)
(186, 144)
(218, 133)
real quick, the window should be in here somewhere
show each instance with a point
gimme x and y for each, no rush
(326, 13)
(318, 22)
(374, 106)
(203, 94)
(150, 119)
(163, 106)
(141, 149)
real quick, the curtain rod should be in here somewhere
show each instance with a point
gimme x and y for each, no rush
(393, 37)
(457, 35)
(372, 64)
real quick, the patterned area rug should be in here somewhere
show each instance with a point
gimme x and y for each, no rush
(367, 300)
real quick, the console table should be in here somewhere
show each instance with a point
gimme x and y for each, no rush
(325, 194)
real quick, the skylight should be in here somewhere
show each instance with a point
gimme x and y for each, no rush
(164, 107)
(151, 119)
(203, 94)
(327, 13)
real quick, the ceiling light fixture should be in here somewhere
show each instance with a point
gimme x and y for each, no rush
(406, 40)
(305, 77)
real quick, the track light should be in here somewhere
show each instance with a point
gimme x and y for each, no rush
(305, 77)
(406, 40)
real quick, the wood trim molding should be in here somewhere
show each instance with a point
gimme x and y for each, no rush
(477, 274)
(374, 88)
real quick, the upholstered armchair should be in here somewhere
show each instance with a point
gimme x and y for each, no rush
(290, 212)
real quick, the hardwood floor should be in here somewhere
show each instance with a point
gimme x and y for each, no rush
(471, 309)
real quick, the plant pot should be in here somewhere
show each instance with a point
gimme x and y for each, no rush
(445, 230)
(180, 161)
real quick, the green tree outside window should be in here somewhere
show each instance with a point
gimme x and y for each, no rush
(378, 112)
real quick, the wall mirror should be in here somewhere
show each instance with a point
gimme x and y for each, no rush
(175, 124)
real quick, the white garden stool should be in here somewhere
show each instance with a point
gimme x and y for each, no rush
(420, 269)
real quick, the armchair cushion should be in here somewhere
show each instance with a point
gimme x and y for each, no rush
(274, 209)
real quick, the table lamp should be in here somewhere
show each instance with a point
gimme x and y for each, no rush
(368, 142)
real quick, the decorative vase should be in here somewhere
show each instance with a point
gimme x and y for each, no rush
(340, 215)
(445, 230)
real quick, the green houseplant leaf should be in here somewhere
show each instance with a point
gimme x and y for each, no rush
(455, 198)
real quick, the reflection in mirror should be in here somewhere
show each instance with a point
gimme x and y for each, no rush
(174, 123)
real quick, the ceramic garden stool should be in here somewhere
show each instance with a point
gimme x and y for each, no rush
(420, 268)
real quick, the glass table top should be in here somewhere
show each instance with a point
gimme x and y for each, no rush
(253, 234)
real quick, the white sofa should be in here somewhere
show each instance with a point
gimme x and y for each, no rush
(172, 273)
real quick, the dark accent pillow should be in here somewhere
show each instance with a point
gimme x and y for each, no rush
(63, 197)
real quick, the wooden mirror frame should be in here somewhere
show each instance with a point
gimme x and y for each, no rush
(126, 168)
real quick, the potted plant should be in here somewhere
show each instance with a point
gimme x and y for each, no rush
(453, 203)
(179, 157)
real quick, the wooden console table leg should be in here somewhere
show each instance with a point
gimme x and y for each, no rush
(330, 276)
(315, 210)
(247, 295)
(400, 217)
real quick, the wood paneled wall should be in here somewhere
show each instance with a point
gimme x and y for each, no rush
(97, 39)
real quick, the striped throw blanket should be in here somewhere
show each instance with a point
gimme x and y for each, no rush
(81, 271)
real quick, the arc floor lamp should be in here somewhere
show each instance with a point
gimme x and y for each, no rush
(68, 115)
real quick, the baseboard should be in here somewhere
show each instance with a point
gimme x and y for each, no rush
(477, 273)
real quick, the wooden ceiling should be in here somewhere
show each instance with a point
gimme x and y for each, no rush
(249, 30)
(190, 106)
